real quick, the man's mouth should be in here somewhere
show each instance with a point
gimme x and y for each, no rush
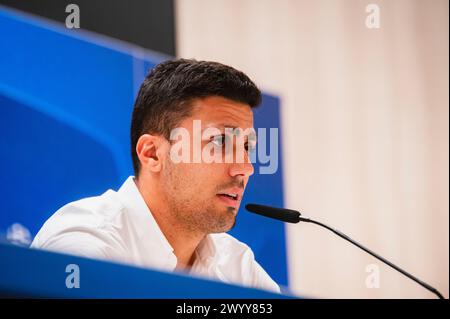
(231, 197)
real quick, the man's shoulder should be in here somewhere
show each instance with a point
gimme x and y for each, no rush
(102, 208)
(90, 214)
(94, 211)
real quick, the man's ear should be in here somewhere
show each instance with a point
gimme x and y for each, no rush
(149, 153)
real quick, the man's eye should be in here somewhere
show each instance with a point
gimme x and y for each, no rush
(250, 147)
(218, 140)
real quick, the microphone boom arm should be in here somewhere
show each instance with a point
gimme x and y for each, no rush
(367, 250)
(293, 216)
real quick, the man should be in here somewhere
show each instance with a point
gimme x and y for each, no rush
(173, 214)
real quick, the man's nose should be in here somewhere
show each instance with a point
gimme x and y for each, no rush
(244, 169)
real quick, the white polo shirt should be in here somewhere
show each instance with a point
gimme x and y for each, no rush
(118, 226)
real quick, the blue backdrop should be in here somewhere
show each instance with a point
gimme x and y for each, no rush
(66, 99)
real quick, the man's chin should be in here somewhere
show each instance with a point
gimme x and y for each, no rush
(227, 221)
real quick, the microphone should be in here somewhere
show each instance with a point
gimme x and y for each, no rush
(283, 214)
(293, 216)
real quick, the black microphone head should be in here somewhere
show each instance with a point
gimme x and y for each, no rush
(283, 214)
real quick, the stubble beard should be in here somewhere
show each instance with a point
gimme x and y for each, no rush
(191, 212)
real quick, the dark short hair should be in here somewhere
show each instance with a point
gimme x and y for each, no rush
(165, 96)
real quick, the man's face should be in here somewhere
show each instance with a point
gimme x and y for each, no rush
(196, 192)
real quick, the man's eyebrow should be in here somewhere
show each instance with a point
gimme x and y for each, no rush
(221, 126)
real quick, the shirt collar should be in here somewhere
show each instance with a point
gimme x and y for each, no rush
(150, 235)
(144, 223)
(206, 250)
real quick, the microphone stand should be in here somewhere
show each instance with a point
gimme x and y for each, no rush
(293, 216)
(387, 262)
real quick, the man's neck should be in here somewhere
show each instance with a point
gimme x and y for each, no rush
(183, 241)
